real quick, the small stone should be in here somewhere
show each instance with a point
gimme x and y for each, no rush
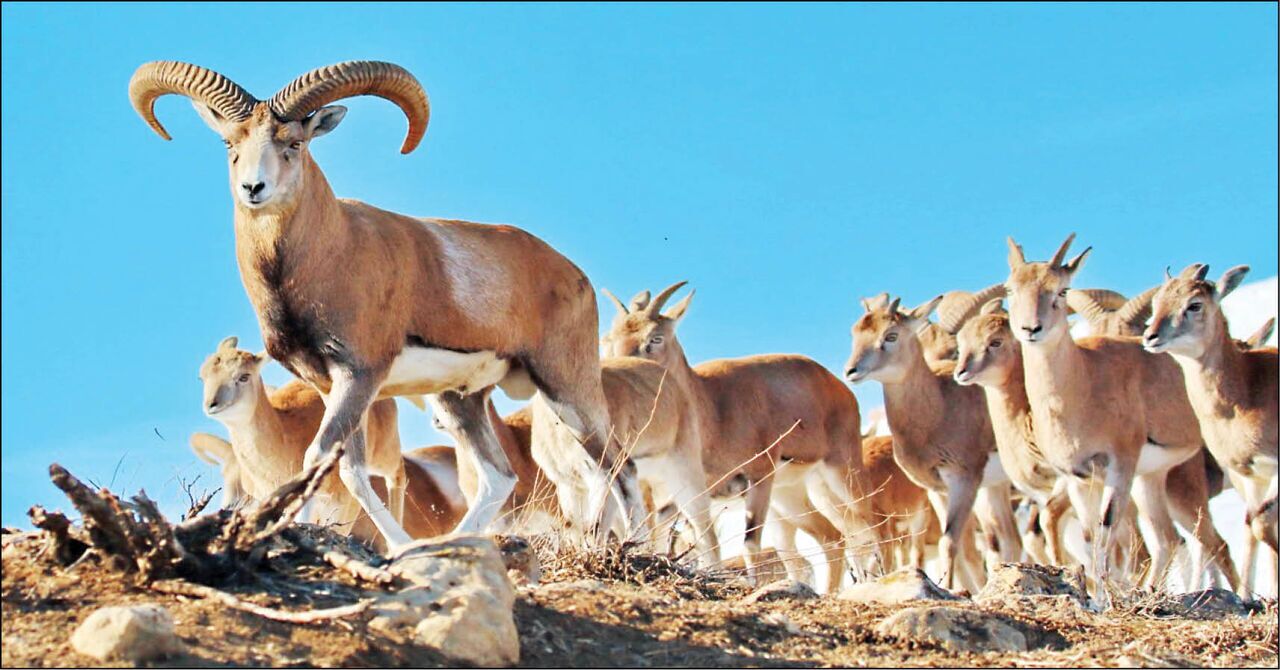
(897, 587)
(1213, 604)
(588, 585)
(787, 589)
(967, 630)
(135, 634)
(460, 603)
(1016, 581)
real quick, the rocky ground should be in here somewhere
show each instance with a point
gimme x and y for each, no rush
(620, 608)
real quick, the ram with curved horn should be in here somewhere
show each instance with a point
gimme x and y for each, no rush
(365, 303)
(767, 418)
(1109, 312)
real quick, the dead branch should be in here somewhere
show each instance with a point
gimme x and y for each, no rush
(66, 549)
(181, 588)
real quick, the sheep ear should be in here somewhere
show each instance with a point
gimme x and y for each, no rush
(1016, 257)
(1229, 281)
(922, 311)
(1073, 265)
(992, 307)
(227, 344)
(678, 311)
(216, 122)
(640, 300)
(262, 358)
(324, 120)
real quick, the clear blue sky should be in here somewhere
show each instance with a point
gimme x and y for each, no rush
(785, 159)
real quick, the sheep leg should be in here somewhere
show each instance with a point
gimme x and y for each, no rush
(467, 417)
(345, 410)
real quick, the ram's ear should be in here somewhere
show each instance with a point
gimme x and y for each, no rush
(324, 120)
(1072, 266)
(216, 122)
(228, 343)
(992, 307)
(1229, 281)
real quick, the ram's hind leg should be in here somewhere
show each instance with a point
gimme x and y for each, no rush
(467, 417)
(575, 395)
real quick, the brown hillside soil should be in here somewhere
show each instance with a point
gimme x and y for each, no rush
(601, 609)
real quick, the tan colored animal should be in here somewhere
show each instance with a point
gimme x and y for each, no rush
(1102, 409)
(756, 413)
(942, 433)
(903, 516)
(216, 451)
(938, 339)
(365, 303)
(1109, 313)
(989, 356)
(433, 502)
(270, 431)
(1234, 393)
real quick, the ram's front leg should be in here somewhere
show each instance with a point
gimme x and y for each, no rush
(345, 409)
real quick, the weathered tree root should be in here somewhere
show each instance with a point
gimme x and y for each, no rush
(181, 588)
(65, 549)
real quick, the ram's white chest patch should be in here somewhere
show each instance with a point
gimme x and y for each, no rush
(427, 370)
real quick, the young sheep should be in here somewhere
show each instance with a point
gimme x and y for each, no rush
(270, 431)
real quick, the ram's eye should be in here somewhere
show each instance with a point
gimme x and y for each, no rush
(1062, 293)
(244, 378)
(1194, 307)
(996, 344)
(656, 339)
(295, 145)
(891, 337)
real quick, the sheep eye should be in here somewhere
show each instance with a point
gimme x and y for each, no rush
(295, 145)
(656, 339)
(244, 378)
(891, 337)
(1062, 293)
(996, 344)
(1194, 307)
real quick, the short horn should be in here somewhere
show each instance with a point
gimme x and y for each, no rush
(1261, 335)
(331, 83)
(614, 299)
(164, 77)
(1061, 254)
(662, 298)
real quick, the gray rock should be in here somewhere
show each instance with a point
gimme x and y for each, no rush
(1212, 604)
(460, 603)
(1016, 581)
(967, 629)
(135, 634)
(787, 589)
(902, 586)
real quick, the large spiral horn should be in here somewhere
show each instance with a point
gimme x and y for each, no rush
(1094, 303)
(163, 77)
(331, 83)
(662, 298)
(1138, 309)
(960, 306)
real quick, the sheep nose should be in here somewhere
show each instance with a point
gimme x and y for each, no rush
(850, 371)
(253, 188)
(1032, 330)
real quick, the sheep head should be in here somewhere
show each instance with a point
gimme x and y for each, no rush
(267, 139)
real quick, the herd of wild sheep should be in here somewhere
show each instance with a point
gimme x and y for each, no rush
(992, 407)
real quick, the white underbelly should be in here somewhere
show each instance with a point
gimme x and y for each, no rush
(426, 370)
(1154, 458)
(993, 472)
